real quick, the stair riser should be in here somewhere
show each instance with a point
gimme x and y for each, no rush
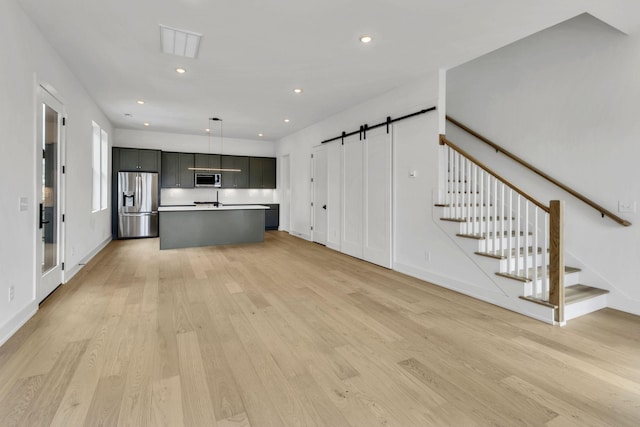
(570, 279)
(510, 264)
(503, 242)
(577, 309)
(480, 227)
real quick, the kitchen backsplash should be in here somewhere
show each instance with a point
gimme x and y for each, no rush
(227, 196)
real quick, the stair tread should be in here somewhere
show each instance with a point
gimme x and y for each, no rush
(460, 205)
(513, 253)
(577, 293)
(488, 235)
(470, 220)
(539, 301)
(528, 277)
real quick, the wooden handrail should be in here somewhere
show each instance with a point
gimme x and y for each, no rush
(594, 205)
(445, 141)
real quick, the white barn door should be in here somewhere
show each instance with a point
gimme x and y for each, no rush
(377, 197)
(366, 197)
(352, 197)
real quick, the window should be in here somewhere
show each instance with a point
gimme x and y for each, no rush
(100, 166)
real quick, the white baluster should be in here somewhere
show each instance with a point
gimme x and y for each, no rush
(496, 214)
(526, 236)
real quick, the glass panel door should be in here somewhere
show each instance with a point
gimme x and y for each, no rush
(49, 188)
(49, 202)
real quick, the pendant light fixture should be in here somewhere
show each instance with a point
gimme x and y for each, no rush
(215, 119)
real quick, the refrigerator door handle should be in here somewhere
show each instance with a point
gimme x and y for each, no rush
(138, 192)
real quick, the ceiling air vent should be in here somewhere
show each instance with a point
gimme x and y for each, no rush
(179, 42)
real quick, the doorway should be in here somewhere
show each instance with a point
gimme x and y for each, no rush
(49, 188)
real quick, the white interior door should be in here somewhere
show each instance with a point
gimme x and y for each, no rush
(352, 197)
(49, 149)
(319, 195)
(377, 197)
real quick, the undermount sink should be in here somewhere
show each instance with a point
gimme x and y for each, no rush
(208, 204)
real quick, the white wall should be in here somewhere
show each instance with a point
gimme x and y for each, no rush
(566, 100)
(421, 248)
(30, 60)
(193, 143)
(202, 144)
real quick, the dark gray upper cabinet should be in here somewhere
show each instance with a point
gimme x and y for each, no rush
(235, 179)
(262, 172)
(268, 172)
(175, 172)
(133, 159)
(210, 161)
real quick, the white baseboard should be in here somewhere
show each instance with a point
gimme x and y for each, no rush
(16, 322)
(529, 309)
(68, 274)
(300, 235)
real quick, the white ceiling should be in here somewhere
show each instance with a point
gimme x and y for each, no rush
(255, 52)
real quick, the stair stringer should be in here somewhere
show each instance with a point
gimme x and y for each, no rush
(511, 289)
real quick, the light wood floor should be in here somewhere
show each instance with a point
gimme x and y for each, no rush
(289, 333)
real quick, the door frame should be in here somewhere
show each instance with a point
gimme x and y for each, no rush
(314, 151)
(44, 91)
(284, 170)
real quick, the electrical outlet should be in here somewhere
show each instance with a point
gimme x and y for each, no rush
(12, 293)
(626, 206)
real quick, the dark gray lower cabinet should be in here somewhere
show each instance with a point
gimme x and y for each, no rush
(272, 217)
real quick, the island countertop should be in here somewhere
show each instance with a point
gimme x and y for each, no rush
(209, 207)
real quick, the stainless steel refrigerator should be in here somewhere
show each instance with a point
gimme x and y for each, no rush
(137, 204)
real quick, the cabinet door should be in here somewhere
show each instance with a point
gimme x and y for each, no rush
(228, 178)
(235, 179)
(269, 173)
(186, 177)
(148, 160)
(242, 178)
(255, 172)
(128, 159)
(169, 176)
(272, 217)
(211, 161)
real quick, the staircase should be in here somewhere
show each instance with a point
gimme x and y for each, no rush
(513, 238)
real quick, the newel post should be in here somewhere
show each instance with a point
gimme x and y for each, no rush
(556, 258)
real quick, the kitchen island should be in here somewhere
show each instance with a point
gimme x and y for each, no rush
(210, 225)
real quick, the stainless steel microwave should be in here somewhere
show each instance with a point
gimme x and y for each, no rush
(206, 179)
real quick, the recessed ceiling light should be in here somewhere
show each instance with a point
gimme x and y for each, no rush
(297, 90)
(180, 70)
(366, 39)
(287, 120)
(141, 102)
(146, 123)
(207, 130)
(260, 135)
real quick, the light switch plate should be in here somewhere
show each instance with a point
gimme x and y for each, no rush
(626, 207)
(23, 204)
